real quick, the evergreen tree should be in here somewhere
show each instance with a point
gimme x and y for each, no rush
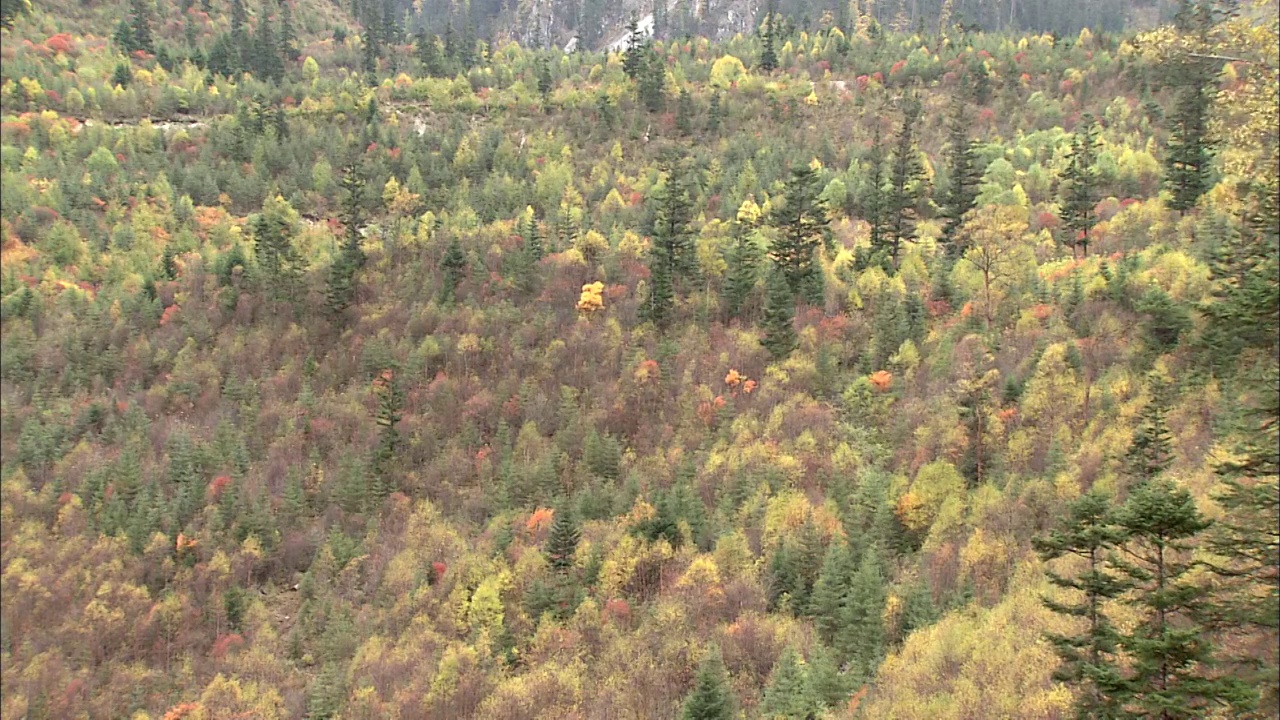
(715, 113)
(742, 270)
(711, 698)
(452, 268)
(779, 316)
(802, 225)
(545, 83)
(1172, 657)
(684, 113)
(825, 680)
(390, 405)
(789, 694)
(273, 245)
(876, 205)
(1078, 189)
(860, 640)
(351, 258)
(1090, 658)
(906, 176)
(140, 17)
(769, 55)
(652, 81)
(672, 256)
(239, 17)
(532, 234)
(427, 51)
(563, 539)
(831, 591)
(964, 175)
(633, 59)
(1151, 451)
(1188, 157)
(288, 36)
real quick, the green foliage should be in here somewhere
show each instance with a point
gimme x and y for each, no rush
(711, 697)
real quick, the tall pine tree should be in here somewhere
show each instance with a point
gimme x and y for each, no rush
(1188, 156)
(1077, 191)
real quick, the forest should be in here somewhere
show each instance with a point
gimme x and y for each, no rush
(871, 361)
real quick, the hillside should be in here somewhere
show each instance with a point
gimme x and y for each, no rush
(834, 371)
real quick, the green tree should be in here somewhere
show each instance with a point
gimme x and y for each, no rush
(831, 591)
(769, 55)
(860, 640)
(1188, 156)
(453, 269)
(563, 539)
(906, 182)
(390, 405)
(1077, 191)
(341, 288)
(633, 59)
(1151, 451)
(1090, 658)
(779, 315)
(684, 113)
(273, 231)
(141, 13)
(802, 226)
(964, 177)
(1171, 654)
(287, 36)
(742, 269)
(789, 693)
(711, 698)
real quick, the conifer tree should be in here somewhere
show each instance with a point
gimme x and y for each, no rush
(652, 82)
(684, 113)
(1188, 157)
(779, 315)
(633, 59)
(1089, 659)
(802, 224)
(1151, 451)
(711, 698)
(671, 257)
(340, 291)
(876, 204)
(427, 51)
(965, 176)
(288, 36)
(743, 269)
(452, 268)
(563, 539)
(715, 113)
(140, 16)
(1172, 673)
(906, 175)
(831, 591)
(273, 245)
(390, 405)
(1078, 189)
(769, 55)
(825, 680)
(789, 694)
(860, 640)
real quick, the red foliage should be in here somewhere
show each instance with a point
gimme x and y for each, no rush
(617, 609)
(177, 712)
(1047, 219)
(225, 644)
(214, 491)
(881, 379)
(439, 569)
(60, 43)
(168, 314)
(897, 67)
(1025, 78)
(878, 77)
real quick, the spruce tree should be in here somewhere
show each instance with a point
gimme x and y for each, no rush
(1090, 658)
(633, 59)
(341, 288)
(1151, 451)
(140, 17)
(672, 256)
(789, 694)
(779, 316)
(831, 591)
(1171, 654)
(1078, 188)
(1188, 156)
(964, 175)
(876, 205)
(742, 271)
(563, 539)
(860, 640)
(684, 113)
(652, 82)
(711, 698)
(427, 51)
(452, 268)
(273, 245)
(288, 36)
(390, 405)
(825, 679)
(906, 176)
(769, 55)
(802, 224)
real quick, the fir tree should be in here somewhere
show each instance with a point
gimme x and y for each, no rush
(906, 176)
(652, 82)
(340, 291)
(715, 113)
(876, 205)
(1090, 658)
(802, 225)
(452, 268)
(1188, 157)
(671, 257)
(861, 637)
(288, 36)
(1078, 189)
(684, 113)
(769, 55)
(1172, 656)
(789, 693)
(779, 316)
(562, 541)
(390, 405)
(633, 59)
(964, 175)
(140, 17)
(831, 591)
(743, 269)
(711, 698)
(427, 51)
(273, 245)
(1151, 451)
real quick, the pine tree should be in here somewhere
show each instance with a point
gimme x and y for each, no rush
(633, 59)
(779, 316)
(1089, 659)
(140, 16)
(273, 245)
(769, 55)
(711, 698)
(684, 113)
(831, 591)
(1172, 656)
(1151, 451)
(390, 405)
(562, 541)
(288, 36)
(964, 175)
(652, 82)
(340, 291)
(876, 205)
(789, 694)
(1078, 189)
(906, 177)
(453, 268)
(802, 224)
(743, 269)
(861, 638)
(1188, 157)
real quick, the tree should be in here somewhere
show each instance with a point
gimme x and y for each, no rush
(769, 55)
(288, 36)
(779, 315)
(562, 541)
(1151, 451)
(545, 81)
(671, 257)
(652, 81)
(140, 16)
(1078, 188)
(1172, 664)
(453, 268)
(684, 113)
(351, 257)
(390, 405)
(1090, 660)
(711, 698)
(964, 175)
(743, 267)
(802, 225)
(906, 179)
(860, 640)
(273, 231)
(831, 591)
(789, 693)
(993, 235)
(633, 59)
(1188, 156)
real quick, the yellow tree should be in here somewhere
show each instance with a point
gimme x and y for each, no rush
(994, 236)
